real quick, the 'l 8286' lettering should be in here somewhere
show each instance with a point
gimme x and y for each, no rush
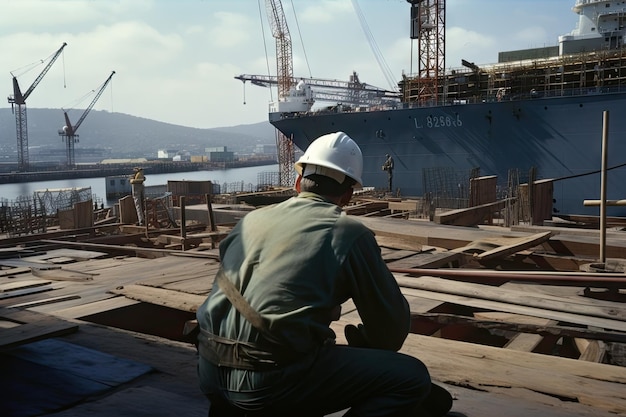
(433, 122)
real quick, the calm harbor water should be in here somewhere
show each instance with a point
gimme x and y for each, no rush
(248, 175)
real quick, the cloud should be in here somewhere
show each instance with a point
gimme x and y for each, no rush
(230, 30)
(469, 45)
(324, 11)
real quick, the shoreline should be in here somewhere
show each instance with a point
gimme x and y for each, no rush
(99, 170)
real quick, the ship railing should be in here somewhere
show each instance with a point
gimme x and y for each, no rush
(531, 95)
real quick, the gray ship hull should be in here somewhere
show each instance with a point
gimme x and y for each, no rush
(561, 137)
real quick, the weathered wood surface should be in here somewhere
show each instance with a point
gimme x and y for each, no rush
(519, 385)
(484, 368)
(30, 327)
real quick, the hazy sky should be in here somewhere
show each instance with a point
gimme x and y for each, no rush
(175, 60)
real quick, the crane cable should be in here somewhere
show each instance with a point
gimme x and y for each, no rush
(267, 62)
(29, 67)
(387, 73)
(306, 59)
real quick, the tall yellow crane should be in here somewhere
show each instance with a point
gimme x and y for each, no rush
(18, 99)
(68, 133)
(285, 80)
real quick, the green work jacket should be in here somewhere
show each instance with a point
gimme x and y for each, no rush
(294, 262)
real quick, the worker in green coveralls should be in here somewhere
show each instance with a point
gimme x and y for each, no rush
(388, 166)
(138, 191)
(265, 343)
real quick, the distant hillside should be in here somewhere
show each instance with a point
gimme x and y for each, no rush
(125, 136)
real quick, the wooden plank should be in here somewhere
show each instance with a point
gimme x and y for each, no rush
(83, 214)
(14, 271)
(22, 284)
(32, 327)
(591, 350)
(482, 190)
(26, 291)
(487, 368)
(516, 245)
(470, 216)
(398, 242)
(75, 254)
(429, 260)
(44, 301)
(488, 292)
(88, 309)
(527, 342)
(618, 325)
(61, 274)
(162, 297)
(484, 320)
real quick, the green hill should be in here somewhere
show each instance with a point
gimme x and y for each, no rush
(118, 135)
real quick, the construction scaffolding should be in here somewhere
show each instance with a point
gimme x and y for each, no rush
(51, 200)
(446, 187)
(582, 73)
(22, 217)
(267, 179)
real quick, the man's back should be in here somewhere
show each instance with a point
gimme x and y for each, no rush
(286, 260)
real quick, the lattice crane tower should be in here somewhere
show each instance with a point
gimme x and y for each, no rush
(284, 65)
(18, 104)
(428, 24)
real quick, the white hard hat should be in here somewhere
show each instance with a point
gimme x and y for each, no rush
(334, 155)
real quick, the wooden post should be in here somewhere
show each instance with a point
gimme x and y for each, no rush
(531, 194)
(212, 225)
(183, 221)
(605, 142)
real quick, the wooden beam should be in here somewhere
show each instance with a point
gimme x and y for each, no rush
(470, 216)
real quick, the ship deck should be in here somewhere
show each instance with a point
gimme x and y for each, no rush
(92, 324)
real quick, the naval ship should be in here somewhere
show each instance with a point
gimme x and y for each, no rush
(538, 114)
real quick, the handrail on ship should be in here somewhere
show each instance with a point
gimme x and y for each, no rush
(573, 92)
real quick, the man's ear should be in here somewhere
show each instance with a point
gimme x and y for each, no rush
(346, 197)
(296, 186)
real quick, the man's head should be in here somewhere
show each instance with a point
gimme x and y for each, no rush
(332, 166)
(137, 169)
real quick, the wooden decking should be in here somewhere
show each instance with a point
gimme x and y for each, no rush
(503, 348)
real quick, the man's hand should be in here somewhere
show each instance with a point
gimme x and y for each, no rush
(356, 336)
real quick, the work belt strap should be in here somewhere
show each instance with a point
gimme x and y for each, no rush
(236, 299)
(222, 351)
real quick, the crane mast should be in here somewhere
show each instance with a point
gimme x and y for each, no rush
(19, 100)
(284, 74)
(428, 27)
(68, 133)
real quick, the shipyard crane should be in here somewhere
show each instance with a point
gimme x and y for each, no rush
(352, 92)
(284, 76)
(68, 133)
(18, 99)
(428, 27)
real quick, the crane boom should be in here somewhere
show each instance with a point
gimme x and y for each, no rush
(351, 92)
(284, 57)
(68, 133)
(18, 99)
(74, 128)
